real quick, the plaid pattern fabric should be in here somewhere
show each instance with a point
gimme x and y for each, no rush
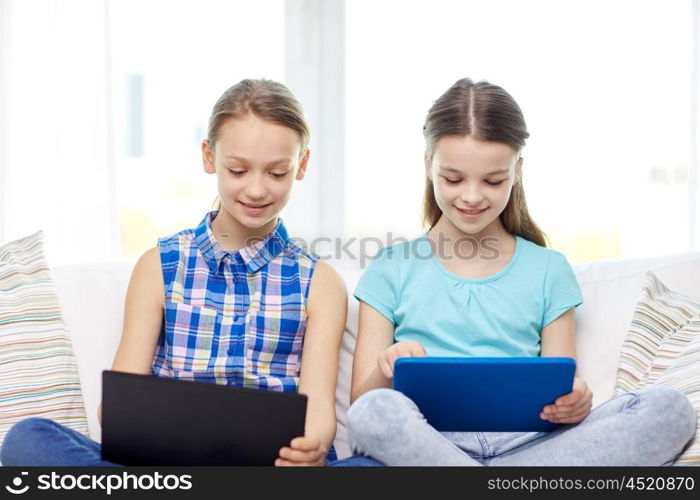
(235, 318)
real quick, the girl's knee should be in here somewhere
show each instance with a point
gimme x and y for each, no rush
(30, 426)
(377, 410)
(672, 403)
(19, 435)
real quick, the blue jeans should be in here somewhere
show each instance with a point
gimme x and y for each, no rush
(649, 426)
(43, 442)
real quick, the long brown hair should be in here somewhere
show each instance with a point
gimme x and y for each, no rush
(488, 113)
(265, 99)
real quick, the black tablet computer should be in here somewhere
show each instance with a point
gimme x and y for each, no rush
(149, 420)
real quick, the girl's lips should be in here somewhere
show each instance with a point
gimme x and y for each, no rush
(254, 209)
(471, 215)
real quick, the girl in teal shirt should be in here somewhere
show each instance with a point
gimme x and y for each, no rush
(481, 282)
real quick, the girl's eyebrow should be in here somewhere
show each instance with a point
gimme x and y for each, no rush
(245, 160)
(450, 169)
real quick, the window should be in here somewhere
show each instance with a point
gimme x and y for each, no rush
(605, 88)
(171, 62)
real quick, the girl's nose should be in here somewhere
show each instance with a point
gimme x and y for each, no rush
(472, 196)
(255, 188)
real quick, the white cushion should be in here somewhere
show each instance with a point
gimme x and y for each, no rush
(92, 301)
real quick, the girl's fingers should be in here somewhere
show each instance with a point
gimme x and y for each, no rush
(584, 406)
(568, 416)
(399, 350)
(300, 456)
(571, 419)
(305, 443)
(573, 405)
(419, 351)
(385, 366)
(565, 411)
(579, 390)
(570, 399)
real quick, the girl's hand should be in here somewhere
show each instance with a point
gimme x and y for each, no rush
(570, 408)
(302, 451)
(405, 349)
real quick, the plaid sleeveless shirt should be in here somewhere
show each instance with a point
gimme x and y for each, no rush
(233, 317)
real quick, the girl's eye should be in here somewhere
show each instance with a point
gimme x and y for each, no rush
(237, 172)
(451, 181)
(279, 176)
(494, 183)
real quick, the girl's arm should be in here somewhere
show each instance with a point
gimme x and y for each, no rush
(558, 339)
(143, 315)
(374, 336)
(325, 323)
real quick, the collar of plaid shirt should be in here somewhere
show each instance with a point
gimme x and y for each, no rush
(255, 256)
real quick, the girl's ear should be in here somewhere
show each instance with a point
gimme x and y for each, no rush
(208, 158)
(428, 165)
(519, 170)
(301, 172)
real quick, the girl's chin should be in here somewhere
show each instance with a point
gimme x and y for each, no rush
(471, 227)
(253, 221)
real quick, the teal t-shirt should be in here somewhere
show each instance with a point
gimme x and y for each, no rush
(502, 315)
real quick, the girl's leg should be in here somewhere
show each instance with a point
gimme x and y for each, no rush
(387, 426)
(43, 442)
(649, 426)
(356, 461)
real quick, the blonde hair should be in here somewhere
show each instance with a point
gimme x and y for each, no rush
(265, 99)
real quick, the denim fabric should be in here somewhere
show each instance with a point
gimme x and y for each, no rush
(43, 442)
(649, 427)
(358, 461)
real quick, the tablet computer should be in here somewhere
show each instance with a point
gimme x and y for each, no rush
(484, 394)
(149, 420)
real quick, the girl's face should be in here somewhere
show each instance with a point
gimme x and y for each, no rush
(472, 180)
(256, 162)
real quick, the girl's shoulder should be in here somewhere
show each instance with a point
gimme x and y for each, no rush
(176, 239)
(391, 258)
(396, 261)
(533, 250)
(299, 255)
(292, 249)
(535, 255)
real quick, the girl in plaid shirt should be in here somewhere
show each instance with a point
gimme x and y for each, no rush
(233, 301)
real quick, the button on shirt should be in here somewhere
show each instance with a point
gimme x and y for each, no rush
(233, 317)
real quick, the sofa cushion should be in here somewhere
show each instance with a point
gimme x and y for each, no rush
(92, 302)
(663, 348)
(610, 291)
(38, 371)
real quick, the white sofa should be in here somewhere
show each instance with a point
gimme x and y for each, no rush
(92, 301)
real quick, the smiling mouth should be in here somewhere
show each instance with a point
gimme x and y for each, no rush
(255, 206)
(471, 212)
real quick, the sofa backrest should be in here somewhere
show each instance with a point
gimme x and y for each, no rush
(92, 302)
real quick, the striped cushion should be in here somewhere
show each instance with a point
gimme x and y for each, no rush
(38, 373)
(663, 347)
